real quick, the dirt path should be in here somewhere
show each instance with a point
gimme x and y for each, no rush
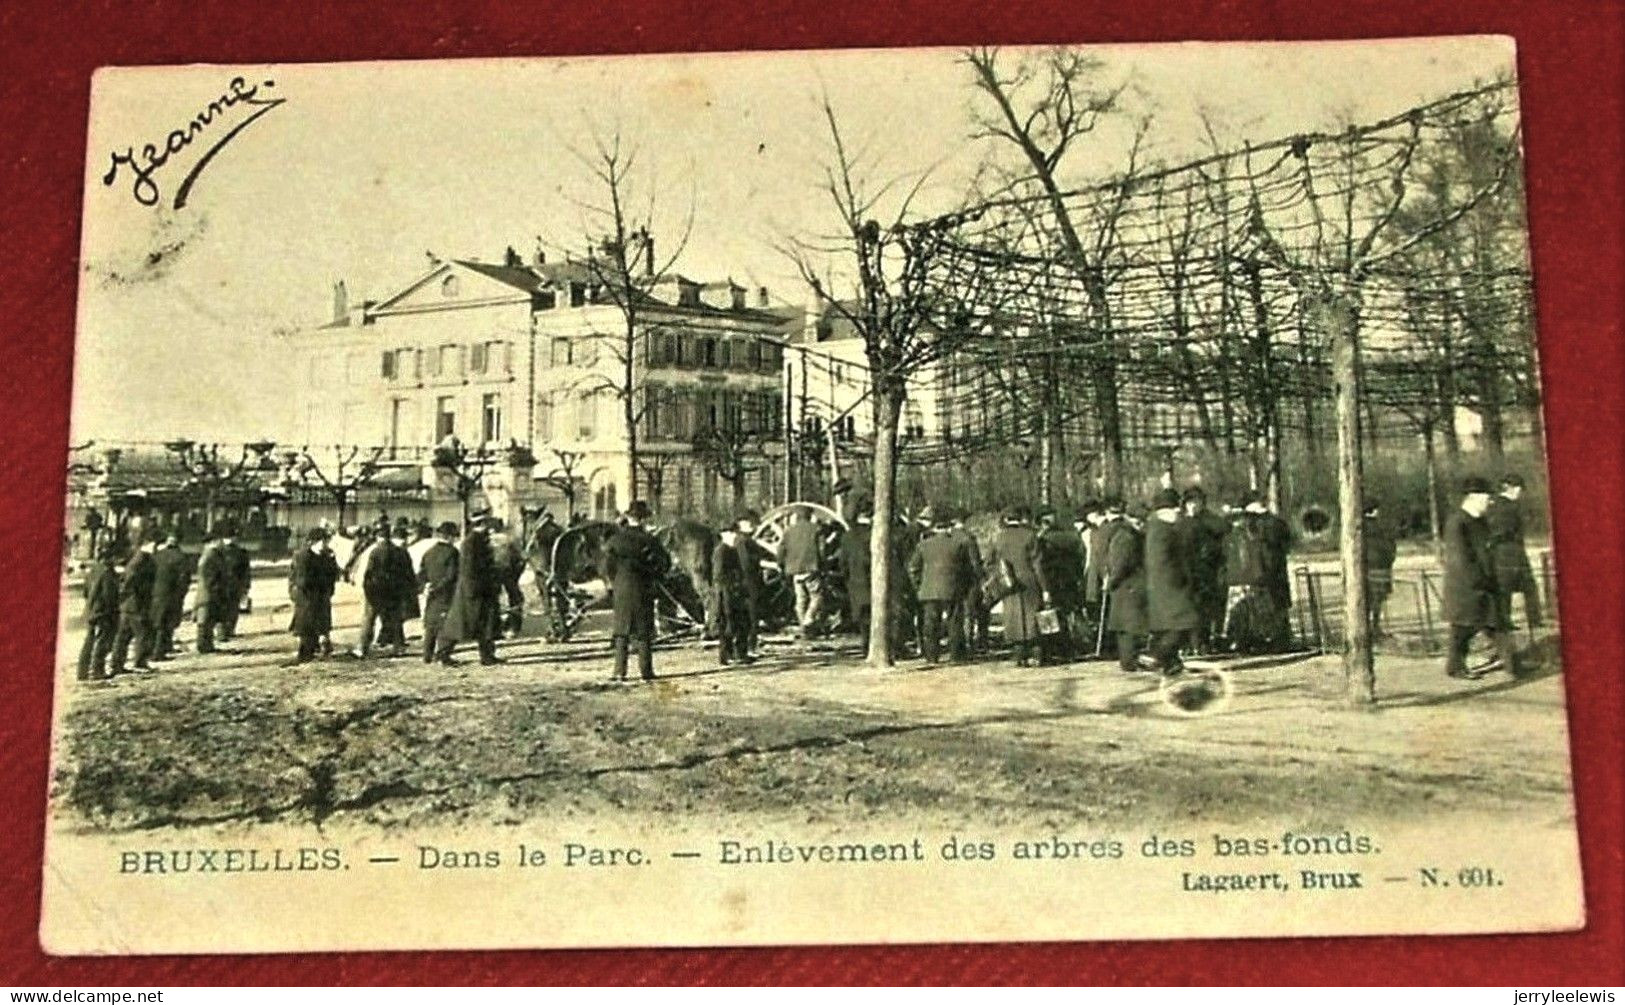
(806, 735)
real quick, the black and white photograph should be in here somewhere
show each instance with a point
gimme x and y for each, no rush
(862, 496)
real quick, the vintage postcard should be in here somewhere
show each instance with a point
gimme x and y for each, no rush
(1092, 492)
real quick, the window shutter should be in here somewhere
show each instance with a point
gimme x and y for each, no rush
(476, 362)
(388, 370)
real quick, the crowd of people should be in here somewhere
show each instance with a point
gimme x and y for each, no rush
(1147, 584)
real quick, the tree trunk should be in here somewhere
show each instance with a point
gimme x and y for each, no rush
(888, 406)
(1359, 672)
(629, 407)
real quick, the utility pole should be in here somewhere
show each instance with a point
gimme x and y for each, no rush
(1337, 314)
(789, 428)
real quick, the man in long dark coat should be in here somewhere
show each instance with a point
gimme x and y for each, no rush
(941, 577)
(1060, 552)
(312, 575)
(213, 594)
(1171, 614)
(1276, 538)
(476, 603)
(974, 608)
(1020, 579)
(510, 565)
(752, 553)
(101, 614)
(1104, 525)
(730, 597)
(633, 562)
(1380, 551)
(389, 591)
(239, 578)
(1206, 531)
(854, 563)
(135, 609)
(437, 578)
(1123, 580)
(1504, 518)
(1471, 603)
(171, 577)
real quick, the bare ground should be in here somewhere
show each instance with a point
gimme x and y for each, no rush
(805, 735)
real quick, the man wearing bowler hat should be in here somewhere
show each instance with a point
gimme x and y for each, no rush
(1471, 601)
(633, 562)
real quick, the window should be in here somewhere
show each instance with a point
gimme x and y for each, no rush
(451, 361)
(388, 371)
(586, 416)
(445, 417)
(477, 358)
(725, 354)
(561, 350)
(708, 352)
(491, 418)
(586, 350)
(546, 300)
(400, 422)
(913, 422)
(499, 357)
(544, 417)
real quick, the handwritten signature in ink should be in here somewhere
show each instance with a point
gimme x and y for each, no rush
(143, 167)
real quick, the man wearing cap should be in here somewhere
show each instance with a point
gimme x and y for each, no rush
(312, 575)
(101, 613)
(1504, 519)
(171, 578)
(476, 601)
(633, 562)
(800, 555)
(135, 608)
(940, 576)
(1471, 601)
(437, 578)
(1171, 614)
(1020, 577)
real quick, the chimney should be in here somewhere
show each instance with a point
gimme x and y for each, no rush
(511, 258)
(539, 259)
(762, 298)
(648, 254)
(736, 296)
(341, 304)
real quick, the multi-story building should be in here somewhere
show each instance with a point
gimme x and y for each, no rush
(534, 353)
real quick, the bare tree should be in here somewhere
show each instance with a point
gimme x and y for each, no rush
(1045, 106)
(910, 294)
(342, 471)
(623, 270)
(564, 477)
(733, 452)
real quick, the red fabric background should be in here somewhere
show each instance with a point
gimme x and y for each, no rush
(1570, 61)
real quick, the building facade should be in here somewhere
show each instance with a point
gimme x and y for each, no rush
(541, 355)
